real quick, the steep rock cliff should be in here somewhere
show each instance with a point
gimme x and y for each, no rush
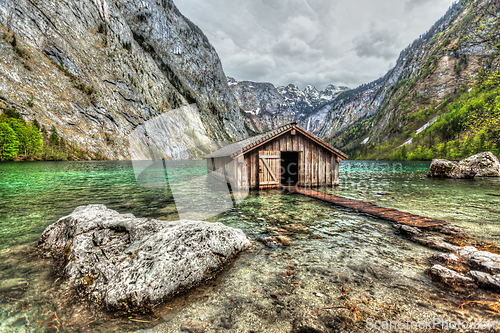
(98, 69)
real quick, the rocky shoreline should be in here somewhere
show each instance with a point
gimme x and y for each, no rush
(88, 247)
(144, 268)
(460, 267)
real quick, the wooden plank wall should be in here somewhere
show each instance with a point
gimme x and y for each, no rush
(266, 175)
(317, 165)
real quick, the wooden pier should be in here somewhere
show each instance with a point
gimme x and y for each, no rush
(389, 214)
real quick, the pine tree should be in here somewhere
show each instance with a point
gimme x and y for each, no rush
(22, 134)
(35, 139)
(54, 137)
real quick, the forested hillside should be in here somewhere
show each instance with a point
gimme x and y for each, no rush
(442, 98)
(21, 140)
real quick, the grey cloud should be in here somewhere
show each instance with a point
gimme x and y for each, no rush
(377, 43)
(318, 42)
(412, 4)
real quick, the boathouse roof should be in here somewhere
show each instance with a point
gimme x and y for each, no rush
(246, 145)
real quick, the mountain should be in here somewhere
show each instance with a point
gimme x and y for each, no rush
(440, 100)
(269, 106)
(103, 71)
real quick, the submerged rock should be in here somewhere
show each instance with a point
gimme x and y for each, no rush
(278, 231)
(406, 230)
(426, 239)
(486, 280)
(451, 230)
(450, 278)
(306, 322)
(129, 263)
(13, 284)
(283, 240)
(441, 168)
(483, 164)
(276, 240)
(297, 228)
(194, 326)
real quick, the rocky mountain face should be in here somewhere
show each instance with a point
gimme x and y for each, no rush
(269, 107)
(429, 76)
(427, 103)
(100, 71)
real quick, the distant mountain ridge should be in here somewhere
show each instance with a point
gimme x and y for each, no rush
(269, 106)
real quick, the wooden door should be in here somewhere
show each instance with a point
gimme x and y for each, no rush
(269, 169)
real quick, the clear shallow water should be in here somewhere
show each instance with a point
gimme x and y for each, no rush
(474, 205)
(360, 250)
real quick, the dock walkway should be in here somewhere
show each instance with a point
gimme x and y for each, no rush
(389, 214)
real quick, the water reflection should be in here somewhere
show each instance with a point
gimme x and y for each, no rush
(363, 250)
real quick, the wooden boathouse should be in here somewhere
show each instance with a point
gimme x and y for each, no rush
(286, 156)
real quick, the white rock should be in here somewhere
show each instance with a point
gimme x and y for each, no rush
(131, 263)
(450, 278)
(486, 280)
(483, 164)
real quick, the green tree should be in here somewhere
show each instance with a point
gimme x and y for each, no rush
(35, 139)
(9, 144)
(54, 137)
(12, 113)
(21, 132)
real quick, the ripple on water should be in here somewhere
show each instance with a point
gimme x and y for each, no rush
(343, 248)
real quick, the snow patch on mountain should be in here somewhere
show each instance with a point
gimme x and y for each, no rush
(269, 106)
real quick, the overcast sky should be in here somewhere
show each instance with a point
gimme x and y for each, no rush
(317, 42)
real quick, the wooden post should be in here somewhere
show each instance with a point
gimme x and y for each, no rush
(335, 180)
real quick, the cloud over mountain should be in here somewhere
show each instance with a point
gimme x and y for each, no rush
(311, 42)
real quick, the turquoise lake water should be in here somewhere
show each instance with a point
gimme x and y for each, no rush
(34, 195)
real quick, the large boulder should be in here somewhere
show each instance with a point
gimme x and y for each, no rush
(483, 165)
(130, 263)
(441, 168)
(462, 172)
(480, 165)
